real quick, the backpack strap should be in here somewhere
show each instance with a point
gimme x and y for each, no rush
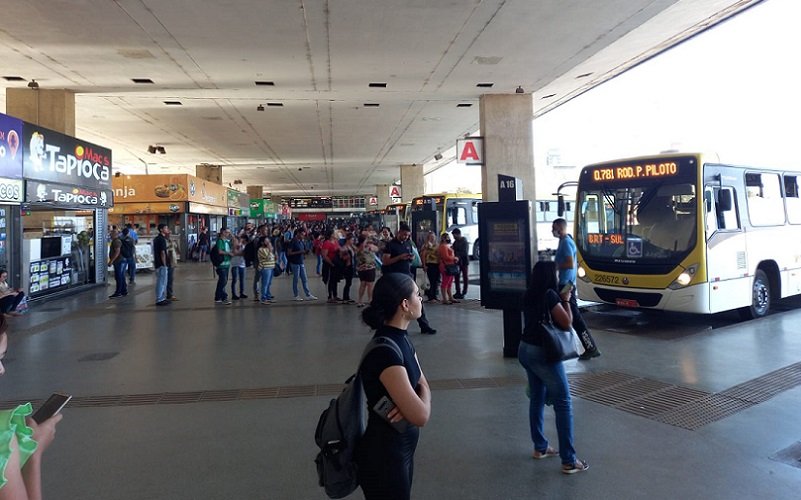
(380, 342)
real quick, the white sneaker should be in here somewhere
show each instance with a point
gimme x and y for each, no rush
(298, 298)
(311, 297)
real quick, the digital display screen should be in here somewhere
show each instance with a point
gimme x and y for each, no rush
(419, 203)
(645, 170)
(605, 239)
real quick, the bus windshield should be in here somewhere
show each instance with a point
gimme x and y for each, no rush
(647, 219)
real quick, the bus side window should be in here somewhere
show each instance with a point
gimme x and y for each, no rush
(727, 219)
(710, 213)
(792, 199)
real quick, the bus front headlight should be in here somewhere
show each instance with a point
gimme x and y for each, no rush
(582, 274)
(685, 278)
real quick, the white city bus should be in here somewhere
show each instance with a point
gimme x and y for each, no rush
(680, 232)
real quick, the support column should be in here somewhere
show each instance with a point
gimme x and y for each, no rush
(412, 182)
(255, 192)
(53, 109)
(506, 125)
(211, 173)
(382, 193)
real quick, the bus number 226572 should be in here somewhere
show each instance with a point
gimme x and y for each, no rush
(606, 279)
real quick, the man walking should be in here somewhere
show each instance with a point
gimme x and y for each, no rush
(160, 264)
(223, 245)
(460, 247)
(295, 252)
(119, 262)
(566, 263)
(130, 233)
(397, 258)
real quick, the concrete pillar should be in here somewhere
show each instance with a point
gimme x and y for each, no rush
(412, 182)
(211, 173)
(53, 109)
(382, 193)
(506, 125)
(255, 192)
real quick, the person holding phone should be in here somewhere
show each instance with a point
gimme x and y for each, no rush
(566, 262)
(23, 443)
(397, 392)
(547, 381)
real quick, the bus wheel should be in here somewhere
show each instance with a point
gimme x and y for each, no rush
(760, 297)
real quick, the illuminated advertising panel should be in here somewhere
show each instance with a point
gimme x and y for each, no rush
(52, 156)
(10, 147)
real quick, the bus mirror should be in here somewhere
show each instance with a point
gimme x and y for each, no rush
(724, 200)
(560, 205)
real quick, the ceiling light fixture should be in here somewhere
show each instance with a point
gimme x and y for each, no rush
(519, 90)
(33, 84)
(156, 150)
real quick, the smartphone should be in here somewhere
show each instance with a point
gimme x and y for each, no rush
(567, 288)
(383, 407)
(52, 406)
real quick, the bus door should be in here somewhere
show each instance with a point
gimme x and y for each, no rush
(726, 255)
(426, 218)
(462, 213)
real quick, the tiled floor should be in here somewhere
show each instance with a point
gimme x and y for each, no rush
(201, 401)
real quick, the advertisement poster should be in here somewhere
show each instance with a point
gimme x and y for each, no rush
(257, 208)
(168, 188)
(507, 255)
(60, 194)
(54, 157)
(10, 147)
(49, 274)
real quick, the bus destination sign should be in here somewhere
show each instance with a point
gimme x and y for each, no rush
(636, 171)
(604, 239)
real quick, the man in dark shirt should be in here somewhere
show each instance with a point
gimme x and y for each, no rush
(397, 258)
(295, 252)
(119, 262)
(160, 264)
(460, 247)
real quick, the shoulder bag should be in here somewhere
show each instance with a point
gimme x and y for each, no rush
(559, 345)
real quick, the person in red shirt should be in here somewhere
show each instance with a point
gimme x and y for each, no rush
(446, 257)
(330, 254)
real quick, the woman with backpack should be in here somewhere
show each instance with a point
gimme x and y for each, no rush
(385, 454)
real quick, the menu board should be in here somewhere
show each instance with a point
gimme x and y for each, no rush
(49, 274)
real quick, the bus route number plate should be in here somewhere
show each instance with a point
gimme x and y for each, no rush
(627, 303)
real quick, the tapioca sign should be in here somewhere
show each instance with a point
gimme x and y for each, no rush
(51, 156)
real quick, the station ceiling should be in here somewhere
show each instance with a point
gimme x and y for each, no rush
(320, 97)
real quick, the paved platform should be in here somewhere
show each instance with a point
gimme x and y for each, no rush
(202, 401)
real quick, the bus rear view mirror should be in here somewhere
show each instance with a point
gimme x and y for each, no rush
(724, 200)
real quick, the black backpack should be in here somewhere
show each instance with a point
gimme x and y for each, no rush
(249, 253)
(215, 257)
(339, 429)
(127, 248)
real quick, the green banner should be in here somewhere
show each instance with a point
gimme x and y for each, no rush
(257, 208)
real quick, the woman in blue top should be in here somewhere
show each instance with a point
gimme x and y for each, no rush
(385, 455)
(547, 381)
(22, 443)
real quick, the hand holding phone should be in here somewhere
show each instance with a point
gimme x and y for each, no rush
(567, 288)
(51, 407)
(383, 407)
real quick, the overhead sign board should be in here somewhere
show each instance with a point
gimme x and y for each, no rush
(62, 194)
(10, 147)
(395, 192)
(470, 151)
(11, 191)
(54, 157)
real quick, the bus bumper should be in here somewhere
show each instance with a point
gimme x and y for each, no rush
(690, 299)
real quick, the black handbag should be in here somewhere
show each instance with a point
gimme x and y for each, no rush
(452, 269)
(559, 345)
(277, 270)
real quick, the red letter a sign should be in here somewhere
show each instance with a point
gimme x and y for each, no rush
(470, 150)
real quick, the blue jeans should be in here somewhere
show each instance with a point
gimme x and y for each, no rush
(161, 284)
(238, 274)
(222, 279)
(132, 268)
(319, 263)
(548, 383)
(282, 259)
(266, 281)
(299, 270)
(170, 272)
(119, 277)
